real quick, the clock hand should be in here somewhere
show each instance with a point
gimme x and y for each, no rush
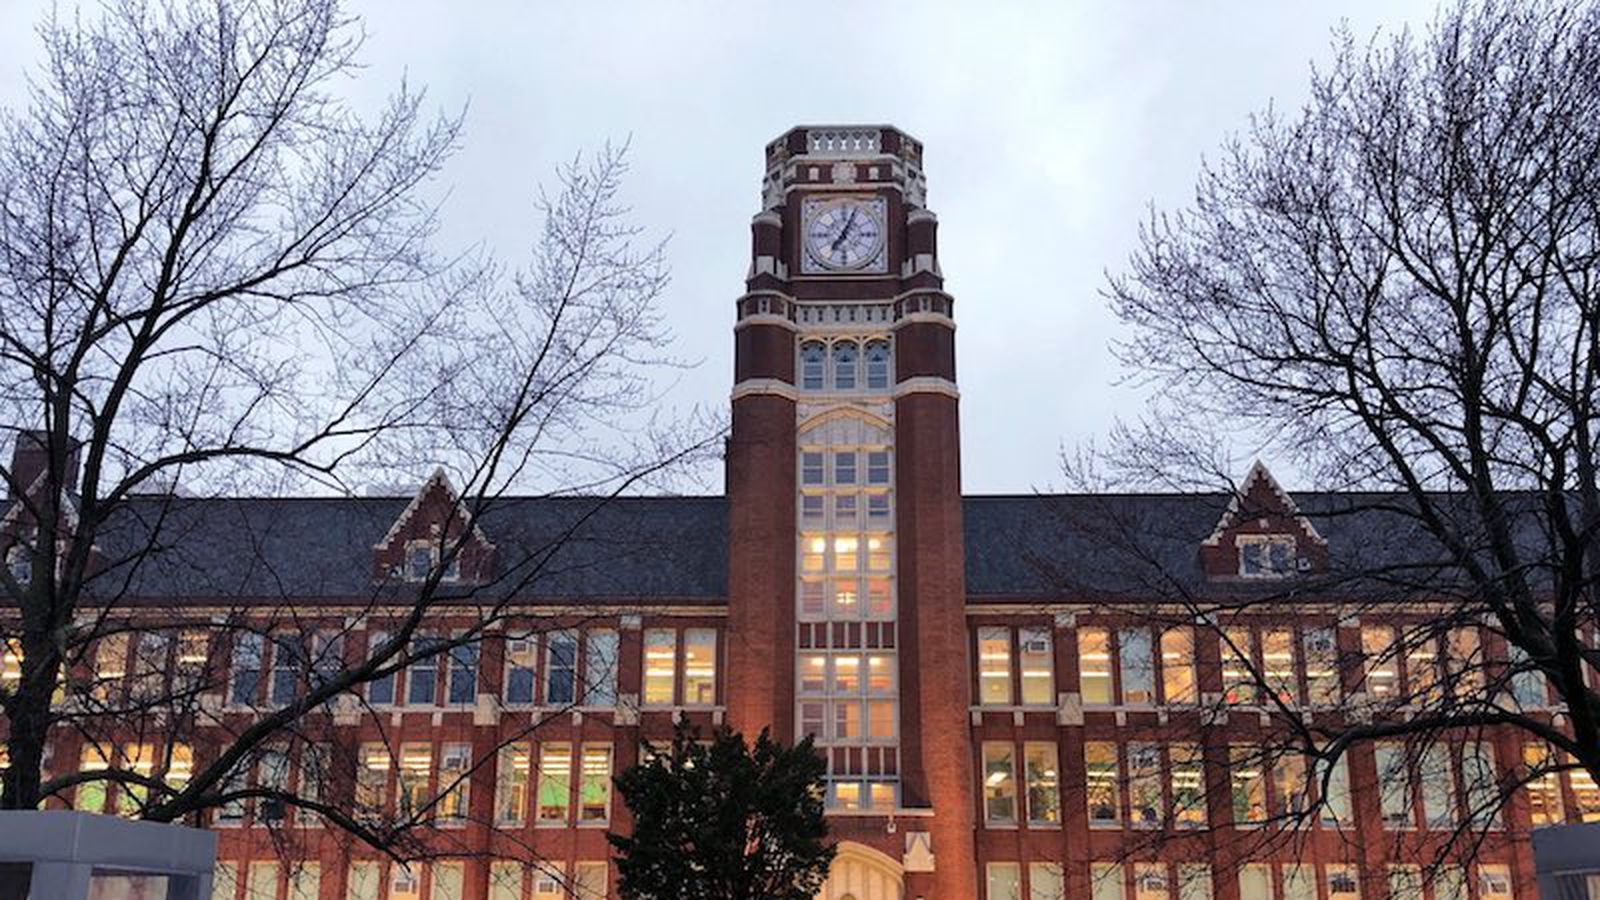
(845, 231)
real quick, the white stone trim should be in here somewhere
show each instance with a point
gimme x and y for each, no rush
(1258, 471)
(766, 319)
(753, 387)
(935, 318)
(927, 384)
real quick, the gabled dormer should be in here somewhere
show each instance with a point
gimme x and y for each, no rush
(425, 537)
(1262, 535)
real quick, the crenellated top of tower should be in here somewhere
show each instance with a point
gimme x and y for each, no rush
(844, 156)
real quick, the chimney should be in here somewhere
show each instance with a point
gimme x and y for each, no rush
(30, 458)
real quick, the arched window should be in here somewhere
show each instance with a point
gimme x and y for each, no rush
(813, 356)
(878, 366)
(844, 366)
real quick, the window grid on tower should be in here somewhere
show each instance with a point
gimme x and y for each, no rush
(847, 664)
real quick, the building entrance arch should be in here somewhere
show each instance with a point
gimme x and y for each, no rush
(862, 873)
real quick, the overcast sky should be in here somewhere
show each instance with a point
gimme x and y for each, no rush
(1049, 129)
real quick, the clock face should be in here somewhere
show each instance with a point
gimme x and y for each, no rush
(844, 234)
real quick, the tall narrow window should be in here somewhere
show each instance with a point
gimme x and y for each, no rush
(1044, 783)
(1194, 881)
(994, 665)
(1378, 649)
(150, 665)
(1105, 881)
(1238, 674)
(813, 361)
(1527, 682)
(447, 881)
(1481, 787)
(561, 668)
(878, 468)
(91, 796)
(1342, 884)
(844, 366)
(600, 667)
(1463, 661)
(1138, 665)
(511, 785)
(1102, 777)
(1037, 661)
(1186, 764)
(1335, 801)
(463, 686)
(660, 666)
(1394, 784)
(877, 365)
(422, 678)
(589, 880)
(380, 690)
(246, 674)
(1543, 785)
(416, 765)
(521, 658)
(1299, 882)
(1150, 882)
(555, 781)
(1177, 666)
(1094, 666)
(999, 783)
(111, 668)
(699, 666)
(287, 653)
(1255, 882)
(1277, 664)
(454, 761)
(372, 778)
(844, 467)
(505, 881)
(1144, 785)
(812, 472)
(1249, 787)
(1422, 671)
(1405, 883)
(1322, 666)
(1291, 798)
(1436, 777)
(1494, 882)
(594, 789)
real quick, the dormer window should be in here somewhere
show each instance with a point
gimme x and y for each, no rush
(1266, 555)
(419, 562)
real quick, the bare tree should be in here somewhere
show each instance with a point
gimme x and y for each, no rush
(218, 280)
(1396, 289)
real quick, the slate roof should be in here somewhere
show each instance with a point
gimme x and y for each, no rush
(673, 550)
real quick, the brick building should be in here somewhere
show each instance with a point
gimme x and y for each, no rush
(1006, 709)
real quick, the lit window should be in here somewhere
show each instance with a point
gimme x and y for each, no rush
(846, 549)
(1266, 555)
(880, 720)
(660, 666)
(1102, 776)
(994, 666)
(1144, 785)
(1422, 671)
(372, 778)
(454, 761)
(1585, 794)
(1291, 792)
(521, 656)
(847, 794)
(1138, 665)
(881, 794)
(1094, 666)
(1046, 881)
(262, 882)
(555, 781)
(700, 666)
(505, 881)
(10, 663)
(1150, 882)
(151, 662)
(405, 883)
(111, 667)
(1249, 788)
(1463, 660)
(1255, 882)
(1004, 881)
(594, 791)
(880, 600)
(1342, 883)
(416, 765)
(1494, 882)
(880, 675)
(1543, 785)
(1395, 788)
(1037, 661)
(845, 601)
(561, 668)
(1378, 648)
(1277, 664)
(999, 784)
(844, 366)
(1188, 779)
(1043, 782)
(140, 759)
(600, 667)
(847, 674)
(878, 557)
(1238, 673)
(1106, 881)
(447, 880)
(813, 360)
(91, 796)
(589, 880)
(846, 720)
(1322, 666)
(511, 784)
(813, 673)
(1177, 666)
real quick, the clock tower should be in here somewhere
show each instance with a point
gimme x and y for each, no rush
(846, 581)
